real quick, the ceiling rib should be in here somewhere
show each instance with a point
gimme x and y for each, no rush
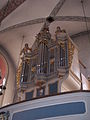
(57, 8)
(54, 11)
(82, 33)
(9, 7)
(72, 18)
(41, 20)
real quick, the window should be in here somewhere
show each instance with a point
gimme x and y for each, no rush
(41, 92)
(29, 95)
(53, 88)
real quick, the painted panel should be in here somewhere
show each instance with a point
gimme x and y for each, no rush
(41, 92)
(73, 108)
(53, 88)
(29, 95)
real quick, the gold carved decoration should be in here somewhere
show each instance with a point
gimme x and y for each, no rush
(71, 48)
(51, 61)
(18, 75)
(33, 69)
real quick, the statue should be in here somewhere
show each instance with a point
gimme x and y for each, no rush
(60, 34)
(61, 38)
(44, 34)
(26, 61)
(25, 50)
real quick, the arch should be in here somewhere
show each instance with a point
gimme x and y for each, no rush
(8, 95)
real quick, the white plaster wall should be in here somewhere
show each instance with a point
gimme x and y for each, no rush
(29, 10)
(85, 83)
(12, 39)
(75, 64)
(74, 7)
(84, 52)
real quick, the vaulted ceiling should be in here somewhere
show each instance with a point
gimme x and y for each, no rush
(27, 17)
(8, 6)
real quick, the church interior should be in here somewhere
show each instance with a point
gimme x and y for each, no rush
(44, 48)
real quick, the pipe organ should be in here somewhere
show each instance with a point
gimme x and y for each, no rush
(46, 63)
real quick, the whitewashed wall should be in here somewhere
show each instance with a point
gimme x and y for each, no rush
(84, 52)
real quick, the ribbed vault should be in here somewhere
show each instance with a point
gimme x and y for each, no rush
(27, 17)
